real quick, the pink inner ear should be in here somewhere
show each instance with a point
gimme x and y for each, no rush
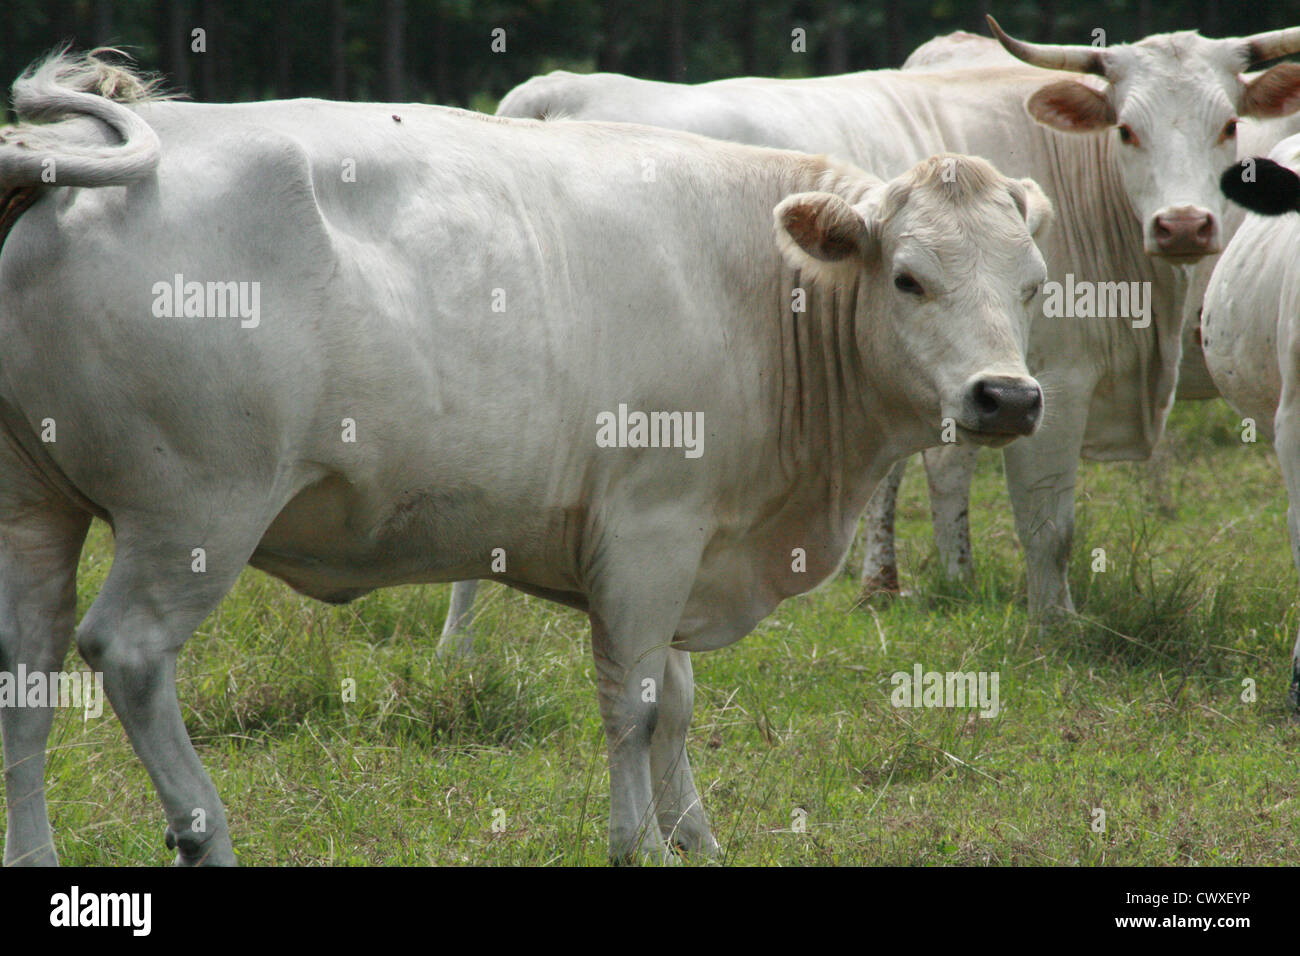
(802, 224)
(823, 232)
(1071, 107)
(1274, 93)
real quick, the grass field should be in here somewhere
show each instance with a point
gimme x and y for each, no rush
(1136, 709)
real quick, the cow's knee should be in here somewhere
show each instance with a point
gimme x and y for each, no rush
(112, 649)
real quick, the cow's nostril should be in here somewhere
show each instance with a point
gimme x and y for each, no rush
(1005, 405)
(986, 399)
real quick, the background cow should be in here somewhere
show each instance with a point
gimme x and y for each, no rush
(949, 484)
(1251, 327)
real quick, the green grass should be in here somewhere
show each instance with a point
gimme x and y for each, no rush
(1135, 709)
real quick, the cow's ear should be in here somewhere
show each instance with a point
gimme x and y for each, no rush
(1033, 205)
(822, 235)
(1273, 93)
(1071, 107)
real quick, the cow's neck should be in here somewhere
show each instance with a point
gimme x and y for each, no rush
(1098, 238)
(831, 438)
(839, 427)
(1096, 225)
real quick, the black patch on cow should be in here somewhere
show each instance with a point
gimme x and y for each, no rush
(1274, 189)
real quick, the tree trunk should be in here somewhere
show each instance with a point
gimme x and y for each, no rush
(895, 53)
(748, 37)
(283, 33)
(676, 40)
(1145, 21)
(613, 21)
(178, 41)
(394, 50)
(338, 51)
(210, 11)
(1210, 19)
(442, 85)
(103, 30)
(837, 42)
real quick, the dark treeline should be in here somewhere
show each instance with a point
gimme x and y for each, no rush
(441, 50)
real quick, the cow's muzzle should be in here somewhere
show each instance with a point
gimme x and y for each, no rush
(1002, 406)
(1183, 233)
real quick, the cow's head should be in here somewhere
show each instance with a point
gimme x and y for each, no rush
(947, 267)
(1172, 103)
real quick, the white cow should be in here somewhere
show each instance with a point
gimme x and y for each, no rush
(1251, 321)
(1130, 155)
(949, 469)
(494, 336)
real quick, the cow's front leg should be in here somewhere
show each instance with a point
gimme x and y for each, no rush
(681, 812)
(949, 470)
(637, 599)
(629, 675)
(879, 560)
(1041, 473)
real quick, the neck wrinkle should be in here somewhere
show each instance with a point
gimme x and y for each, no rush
(825, 430)
(826, 437)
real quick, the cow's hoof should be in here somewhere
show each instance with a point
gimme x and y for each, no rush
(191, 851)
(883, 584)
(455, 648)
(41, 856)
(659, 854)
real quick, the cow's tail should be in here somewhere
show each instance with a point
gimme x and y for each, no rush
(45, 148)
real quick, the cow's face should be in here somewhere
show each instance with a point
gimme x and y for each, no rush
(1171, 105)
(948, 270)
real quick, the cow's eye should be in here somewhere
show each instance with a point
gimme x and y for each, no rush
(1029, 291)
(1127, 136)
(1229, 131)
(905, 282)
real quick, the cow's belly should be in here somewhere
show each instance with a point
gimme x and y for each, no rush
(335, 543)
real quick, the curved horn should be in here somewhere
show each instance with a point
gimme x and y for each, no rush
(1271, 45)
(1052, 56)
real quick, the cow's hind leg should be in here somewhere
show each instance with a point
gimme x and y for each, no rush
(681, 812)
(879, 560)
(457, 642)
(162, 585)
(39, 546)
